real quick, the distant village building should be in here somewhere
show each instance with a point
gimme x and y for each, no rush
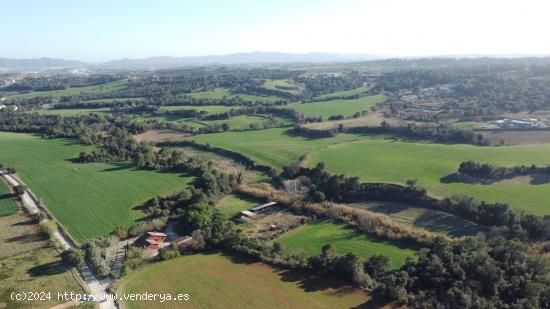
(528, 123)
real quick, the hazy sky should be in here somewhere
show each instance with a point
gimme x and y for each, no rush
(103, 30)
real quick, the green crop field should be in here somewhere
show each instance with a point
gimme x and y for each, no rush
(326, 109)
(7, 203)
(233, 204)
(220, 93)
(345, 93)
(88, 199)
(312, 237)
(211, 109)
(73, 91)
(217, 281)
(274, 147)
(384, 159)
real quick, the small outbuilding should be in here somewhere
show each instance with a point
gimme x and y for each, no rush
(248, 214)
(184, 242)
(263, 207)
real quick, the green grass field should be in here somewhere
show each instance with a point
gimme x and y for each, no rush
(220, 93)
(312, 237)
(345, 93)
(40, 270)
(274, 83)
(383, 159)
(233, 204)
(7, 203)
(326, 109)
(88, 199)
(211, 109)
(74, 91)
(217, 281)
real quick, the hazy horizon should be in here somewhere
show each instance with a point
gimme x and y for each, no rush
(103, 31)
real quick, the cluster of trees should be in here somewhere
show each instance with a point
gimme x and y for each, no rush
(235, 156)
(440, 133)
(522, 226)
(118, 145)
(72, 258)
(493, 172)
(95, 257)
(474, 273)
(322, 84)
(86, 128)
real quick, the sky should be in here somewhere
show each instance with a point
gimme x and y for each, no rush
(104, 30)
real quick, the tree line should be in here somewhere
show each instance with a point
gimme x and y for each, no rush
(440, 133)
(494, 172)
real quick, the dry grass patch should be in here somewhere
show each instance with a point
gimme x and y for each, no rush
(217, 281)
(19, 234)
(159, 136)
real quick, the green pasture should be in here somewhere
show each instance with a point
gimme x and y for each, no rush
(312, 237)
(346, 108)
(90, 199)
(376, 158)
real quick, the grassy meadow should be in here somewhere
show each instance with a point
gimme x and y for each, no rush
(89, 200)
(346, 108)
(377, 158)
(7, 203)
(345, 93)
(312, 237)
(220, 93)
(274, 84)
(233, 204)
(217, 281)
(73, 91)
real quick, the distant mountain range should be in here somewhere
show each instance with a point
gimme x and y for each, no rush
(239, 58)
(168, 62)
(38, 63)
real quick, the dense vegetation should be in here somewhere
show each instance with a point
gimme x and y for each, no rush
(493, 172)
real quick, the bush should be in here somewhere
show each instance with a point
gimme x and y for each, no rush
(72, 258)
